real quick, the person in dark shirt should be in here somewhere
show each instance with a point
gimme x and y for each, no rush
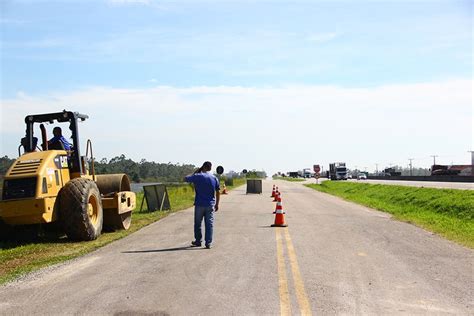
(58, 139)
(206, 202)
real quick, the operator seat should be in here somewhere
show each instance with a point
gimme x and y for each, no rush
(57, 146)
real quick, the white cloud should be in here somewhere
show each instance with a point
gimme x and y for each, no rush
(277, 128)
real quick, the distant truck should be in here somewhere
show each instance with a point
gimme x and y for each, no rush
(390, 172)
(452, 170)
(307, 173)
(338, 171)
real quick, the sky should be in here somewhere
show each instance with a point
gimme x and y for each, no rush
(273, 85)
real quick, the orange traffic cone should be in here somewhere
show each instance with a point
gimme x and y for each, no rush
(273, 191)
(224, 191)
(277, 193)
(278, 206)
(279, 217)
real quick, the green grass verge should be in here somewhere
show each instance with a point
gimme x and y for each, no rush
(237, 182)
(449, 213)
(289, 179)
(32, 253)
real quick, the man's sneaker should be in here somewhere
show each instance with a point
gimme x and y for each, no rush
(195, 244)
(208, 246)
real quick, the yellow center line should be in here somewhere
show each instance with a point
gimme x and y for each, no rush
(282, 279)
(301, 296)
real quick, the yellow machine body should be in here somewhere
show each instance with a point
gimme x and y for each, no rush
(31, 186)
(33, 182)
(54, 184)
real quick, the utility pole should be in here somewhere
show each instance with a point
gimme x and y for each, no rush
(411, 166)
(434, 159)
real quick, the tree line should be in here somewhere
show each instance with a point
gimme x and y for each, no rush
(143, 171)
(5, 163)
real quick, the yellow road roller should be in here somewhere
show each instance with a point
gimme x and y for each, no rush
(49, 183)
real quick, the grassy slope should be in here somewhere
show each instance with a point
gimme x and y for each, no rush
(449, 213)
(20, 257)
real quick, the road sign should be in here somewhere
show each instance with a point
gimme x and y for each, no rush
(156, 197)
(316, 168)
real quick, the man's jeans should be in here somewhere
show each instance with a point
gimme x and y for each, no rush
(208, 213)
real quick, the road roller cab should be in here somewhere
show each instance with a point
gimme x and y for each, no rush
(49, 184)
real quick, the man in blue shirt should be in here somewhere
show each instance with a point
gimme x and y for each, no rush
(58, 140)
(206, 202)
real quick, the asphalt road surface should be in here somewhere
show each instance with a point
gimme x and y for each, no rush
(334, 257)
(425, 184)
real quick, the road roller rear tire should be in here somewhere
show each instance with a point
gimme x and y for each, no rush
(81, 210)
